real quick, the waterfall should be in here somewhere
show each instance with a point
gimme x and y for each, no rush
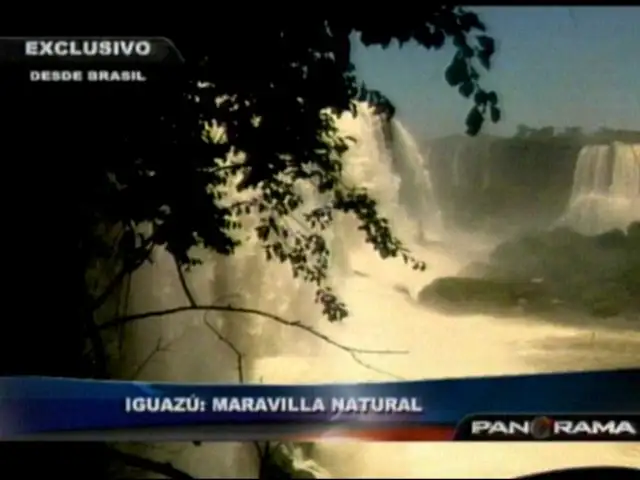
(192, 347)
(416, 190)
(469, 164)
(606, 188)
(387, 161)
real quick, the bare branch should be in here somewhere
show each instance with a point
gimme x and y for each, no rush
(97, 346)
(234, 167)
(159, 348)
(232, 347)
(123, 308)
(262, 453)
(229, 308)
(239, 355)
(373, 368)
(183, 283)
(165, 469)
(354, 352)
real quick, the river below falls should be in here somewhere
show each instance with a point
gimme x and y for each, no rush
(383, 316)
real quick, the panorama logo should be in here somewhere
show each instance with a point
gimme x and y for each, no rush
(547, 427)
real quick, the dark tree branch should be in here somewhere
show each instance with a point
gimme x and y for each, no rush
(183, 283)
(233, 167)
(92, 329)
(193, 307)
(263, 453)
(241, 377)
(158, 348)
(238, 354)
(354, 352)
(192, 302)
(162, 468)
(232, 347)
(123, 308)
(129, 266)
(97, 347)
(252, 311)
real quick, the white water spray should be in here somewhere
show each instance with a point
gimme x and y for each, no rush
(606, 188)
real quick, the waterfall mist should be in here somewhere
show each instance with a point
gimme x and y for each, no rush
(216, 347)
(606, 188)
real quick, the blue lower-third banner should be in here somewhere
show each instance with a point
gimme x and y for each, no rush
(602, 406)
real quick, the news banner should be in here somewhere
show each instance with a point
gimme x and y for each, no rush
(93, 60)
(587, 406)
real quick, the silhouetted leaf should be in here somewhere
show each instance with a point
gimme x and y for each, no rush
(495, 114)
(480, 98)
(470, 21)
(466, 89)
(487, 44)
(463, 47)
(457, 71)
(474, 121)
(487, 49)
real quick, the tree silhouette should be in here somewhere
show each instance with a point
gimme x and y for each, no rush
(129, 159)
(573, 132)
(274, 97)
(544, 133)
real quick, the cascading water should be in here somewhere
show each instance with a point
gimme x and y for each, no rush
(469, 164)
(416, 191)
(386, 150)
(606, 188)
(192, 347)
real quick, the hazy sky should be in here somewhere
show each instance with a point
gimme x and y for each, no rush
(559, 66)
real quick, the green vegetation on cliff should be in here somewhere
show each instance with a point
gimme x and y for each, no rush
(599, 275)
